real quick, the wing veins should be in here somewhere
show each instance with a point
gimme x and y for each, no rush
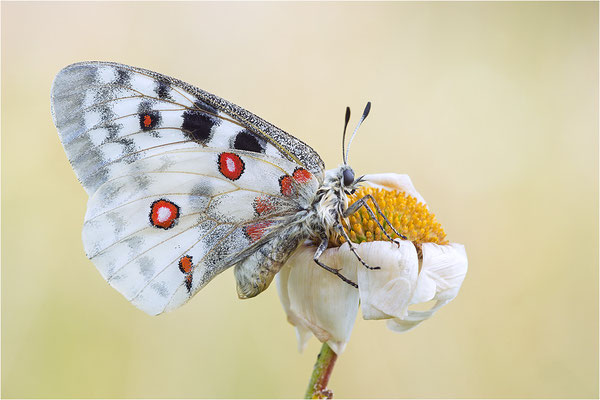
(155, 195)
(143, 198)
(175, 128)
(244, 122)
(194, 107)
(171, 152)
(188, 249)
(109, 279)
(135, 233)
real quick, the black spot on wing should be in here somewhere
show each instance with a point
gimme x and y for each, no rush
(149, 120)
(123, 77)
(162, 90)
(198, 124)
(246, 140)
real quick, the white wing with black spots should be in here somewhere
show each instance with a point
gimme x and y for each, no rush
(182, 184)
(142, 225)
(109, 113)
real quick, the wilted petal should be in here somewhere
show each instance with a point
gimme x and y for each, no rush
(391, 181)
(386, 293)
(443, 271)
(316, 300)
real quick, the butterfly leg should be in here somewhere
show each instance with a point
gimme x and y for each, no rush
(362, 202)
(345, 235)
(322, 247)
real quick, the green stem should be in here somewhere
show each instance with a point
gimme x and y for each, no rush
(317, 387)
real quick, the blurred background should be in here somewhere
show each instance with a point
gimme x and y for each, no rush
(491, 108)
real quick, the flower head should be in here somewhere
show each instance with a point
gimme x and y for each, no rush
(423, 268)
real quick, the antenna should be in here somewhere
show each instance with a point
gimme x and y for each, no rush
(364, 115)
(344, 135)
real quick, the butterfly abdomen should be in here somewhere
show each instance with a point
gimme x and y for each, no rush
(255, 273)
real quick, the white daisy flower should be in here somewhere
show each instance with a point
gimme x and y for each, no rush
(424, 268)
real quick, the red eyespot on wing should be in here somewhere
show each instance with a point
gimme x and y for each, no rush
(231, 165)
(149, 120)
(163, 214)
(301, 175)
(286, 184)
(263, 205)
(185, 264)
(257, 230)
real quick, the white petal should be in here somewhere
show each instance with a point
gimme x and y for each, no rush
(443, 271)
(386, 293)
(391, 181)
(302, 333)
(315, 299)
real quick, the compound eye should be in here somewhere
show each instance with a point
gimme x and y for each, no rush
(348, 177)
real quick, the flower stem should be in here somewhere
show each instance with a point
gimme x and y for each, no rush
(317, 387)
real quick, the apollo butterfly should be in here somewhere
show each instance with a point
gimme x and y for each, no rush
(184, 185)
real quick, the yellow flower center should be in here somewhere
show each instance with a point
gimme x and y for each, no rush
(408, 216)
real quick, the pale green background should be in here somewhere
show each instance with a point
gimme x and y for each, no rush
(491, 108)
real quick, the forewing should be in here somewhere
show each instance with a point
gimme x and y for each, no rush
(109, 113)
(180, 181)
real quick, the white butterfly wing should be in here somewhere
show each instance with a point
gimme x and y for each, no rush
(177, 186)
(109, 115)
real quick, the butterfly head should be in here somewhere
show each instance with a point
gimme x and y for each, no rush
(347, 176)
(340, 180)
(348, 181)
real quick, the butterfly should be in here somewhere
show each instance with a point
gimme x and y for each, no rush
(183, 185)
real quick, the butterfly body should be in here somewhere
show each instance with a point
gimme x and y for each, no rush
(184, 184)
